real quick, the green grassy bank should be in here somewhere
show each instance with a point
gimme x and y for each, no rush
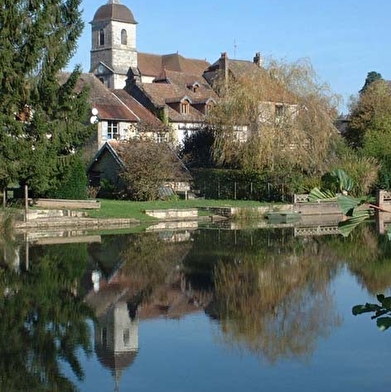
(133, 209)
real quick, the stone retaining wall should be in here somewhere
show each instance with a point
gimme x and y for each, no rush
(188, 213)
(66, 204)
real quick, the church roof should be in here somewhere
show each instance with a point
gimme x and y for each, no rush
(114, 11)
(153, 64)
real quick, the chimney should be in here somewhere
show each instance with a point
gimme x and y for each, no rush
(224, 67)
(258, 60)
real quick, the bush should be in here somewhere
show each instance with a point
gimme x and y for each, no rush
(73, 184)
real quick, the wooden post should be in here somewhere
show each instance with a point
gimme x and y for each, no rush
(5, 197)
(26, 203)
(235, 190)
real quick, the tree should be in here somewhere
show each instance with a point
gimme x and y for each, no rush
(370, 120)
(371, 77)
(276, 118)
(197, 149)
(147, 165)
(43, 121)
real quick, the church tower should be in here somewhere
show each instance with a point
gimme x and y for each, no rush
(113, 47)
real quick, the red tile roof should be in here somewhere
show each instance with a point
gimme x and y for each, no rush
(153, 64)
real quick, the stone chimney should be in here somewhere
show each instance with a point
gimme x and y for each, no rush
(258, 60)
(224, 67)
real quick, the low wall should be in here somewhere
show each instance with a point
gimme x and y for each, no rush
(52, 213)
(187, 213)
(318, 208)
(66, 204)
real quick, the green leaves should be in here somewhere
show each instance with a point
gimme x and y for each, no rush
(37, 41)
(317, 194)
(346, 226)
(384, 309)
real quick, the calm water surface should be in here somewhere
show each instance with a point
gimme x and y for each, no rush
(204, 310)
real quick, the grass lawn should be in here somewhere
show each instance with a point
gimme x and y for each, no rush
(134, 209)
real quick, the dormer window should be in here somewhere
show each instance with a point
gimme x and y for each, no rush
(185, 107)
(194, 87)
(208, 108)
(124, 37)
(101, 37)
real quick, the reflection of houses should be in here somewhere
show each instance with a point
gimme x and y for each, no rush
(123, 300)
(116, 339)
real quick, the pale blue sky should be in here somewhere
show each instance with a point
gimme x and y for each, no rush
(344, 39)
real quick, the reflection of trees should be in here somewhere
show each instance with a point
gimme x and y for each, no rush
(268, 300)
(43, 324)
(367, 255)
(151, 262)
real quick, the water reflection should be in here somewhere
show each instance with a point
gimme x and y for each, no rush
(44, 322)
(269, 292)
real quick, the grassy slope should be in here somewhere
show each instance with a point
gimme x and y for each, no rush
(132, 209)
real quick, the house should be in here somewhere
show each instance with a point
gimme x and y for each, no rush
(180, 98)
(107, 165)
(118, 115)
(167, 97)
(172, 87)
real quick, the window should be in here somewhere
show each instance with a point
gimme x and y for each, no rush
(112, 130)
(124, 37)
(103, 337)
(161, 137)
(185, 107)
(101, 37)
(208, 108)
(126, 337)
(279, 111)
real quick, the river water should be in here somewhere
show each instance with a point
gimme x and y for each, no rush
(209, 309)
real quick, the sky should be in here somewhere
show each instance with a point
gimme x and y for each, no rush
(343, 39)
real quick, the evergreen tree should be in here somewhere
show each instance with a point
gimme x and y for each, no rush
(43, 119)
(371, 77)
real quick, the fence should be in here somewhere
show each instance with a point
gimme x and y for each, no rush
(243, 190)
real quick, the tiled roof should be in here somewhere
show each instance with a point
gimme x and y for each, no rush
(241, 69)
(153, 64)
(119, 147)
(112, 105)
(139, 110)
(172, 87)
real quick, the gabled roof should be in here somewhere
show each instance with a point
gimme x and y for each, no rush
(153, 64)
(116, 105)
(241, 69)
(108, 147)
(173, 87)
(116, 149)
(142, 113)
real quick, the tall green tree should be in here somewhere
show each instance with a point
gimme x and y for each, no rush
(43, 120)
(371, 77)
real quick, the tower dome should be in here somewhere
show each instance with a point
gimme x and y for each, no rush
(113, 10)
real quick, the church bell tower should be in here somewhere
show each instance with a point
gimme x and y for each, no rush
(113, 46)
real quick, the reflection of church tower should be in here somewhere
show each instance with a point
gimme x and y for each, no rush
(113, 49)
(116, 339)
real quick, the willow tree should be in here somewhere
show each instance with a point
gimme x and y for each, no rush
(274, 118)
(42, 121)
